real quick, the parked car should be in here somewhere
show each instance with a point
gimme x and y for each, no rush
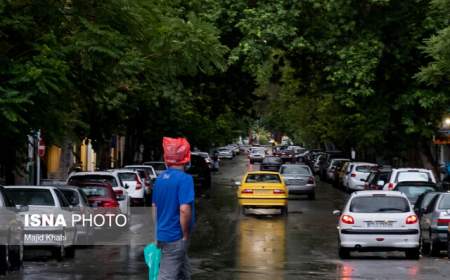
(201, 173)
(378, 221)
(11, 234)
(434, 225)
(340, 172)
(413, 190)
(299, 179)
(159, 166)
(148, 174)
(46, 200)
(377, 178)
(325, 161)
(132, 182)
(263, 189)
(423, 201)
(334, 164)
(409, 174)
(257, 154)
(357, 174)
(80, 205)
(112, 178)
(271, 163)
(225, 153)
(102, 197)
(234, 148)
(207, 158)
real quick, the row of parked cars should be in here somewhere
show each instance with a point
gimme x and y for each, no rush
(112, 192)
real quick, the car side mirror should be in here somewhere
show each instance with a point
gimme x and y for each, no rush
(337, 212)
(380, 183)
(126, 186)
(22, 208)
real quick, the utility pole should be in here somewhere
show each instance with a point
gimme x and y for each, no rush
(38, 158)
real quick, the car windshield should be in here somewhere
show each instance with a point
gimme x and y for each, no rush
(413, 192)
(364, 168)
(295, 169)
(39, 197)
(263, 178)
(92, 191)
(75, 180)
(445, 202)
(272, 160)
(379, 204)
(413, 176)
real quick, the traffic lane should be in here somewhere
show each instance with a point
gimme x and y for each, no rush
(300, 246)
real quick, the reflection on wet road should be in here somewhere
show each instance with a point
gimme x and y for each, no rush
(227, 245)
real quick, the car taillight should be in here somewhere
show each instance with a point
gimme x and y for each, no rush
(110, 204)
(443, 222)
(247, 191)
(311, 180)
(118, 192)
(277, 191)
(346, 219)
(353, 175)
(138, 183)
(391, 186)
(411, 220)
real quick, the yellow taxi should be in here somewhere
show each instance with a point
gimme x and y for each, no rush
(263, 189)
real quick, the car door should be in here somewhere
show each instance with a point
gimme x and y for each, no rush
(426, 220)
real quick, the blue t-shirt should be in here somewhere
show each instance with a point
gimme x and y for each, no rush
(172, 188)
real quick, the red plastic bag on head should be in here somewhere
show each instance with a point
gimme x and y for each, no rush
(177, 151)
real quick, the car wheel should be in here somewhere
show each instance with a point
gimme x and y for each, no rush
(312, 196)
(59, 253)
(284, 211)
(4, 259)
(344, 253)
(412, 254)
(16, 257)
(435, 248)
(70, 252)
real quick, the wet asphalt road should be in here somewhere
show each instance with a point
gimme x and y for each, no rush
(264, 245)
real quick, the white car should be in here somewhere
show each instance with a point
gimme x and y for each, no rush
(408, 174)
(134, 185)
(378, 221)
(45, 201)
(357, 173)
(104, 177)
(225, 153)
(257, 154)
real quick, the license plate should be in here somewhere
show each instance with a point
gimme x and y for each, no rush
(264, 192)
(379, 224)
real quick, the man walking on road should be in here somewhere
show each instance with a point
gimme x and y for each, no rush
(173, 202)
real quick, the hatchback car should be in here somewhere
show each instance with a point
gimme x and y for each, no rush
(299, 179)
(334, 164)
(378, 221)
(43, 200)
(408, 174)
(263, 189)
(434, 224)
(133, 184)
(271, 164)
(357, 174)
(377, 177)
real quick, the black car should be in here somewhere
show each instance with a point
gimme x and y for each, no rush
(423, 201)
(271, 164)
(378, 175)
(413, 190)
(200, 171)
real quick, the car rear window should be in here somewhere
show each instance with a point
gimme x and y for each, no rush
(364, 168)
(76, 179)
(125, 176)
(272, 160)
(379, 204)
(413, 192)
(93, 191)
(413, 176)
(39, 197)
(263, 178)
(445, 202)
(295, 169)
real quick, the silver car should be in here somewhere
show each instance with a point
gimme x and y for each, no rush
(434, 224)
(299, 179)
